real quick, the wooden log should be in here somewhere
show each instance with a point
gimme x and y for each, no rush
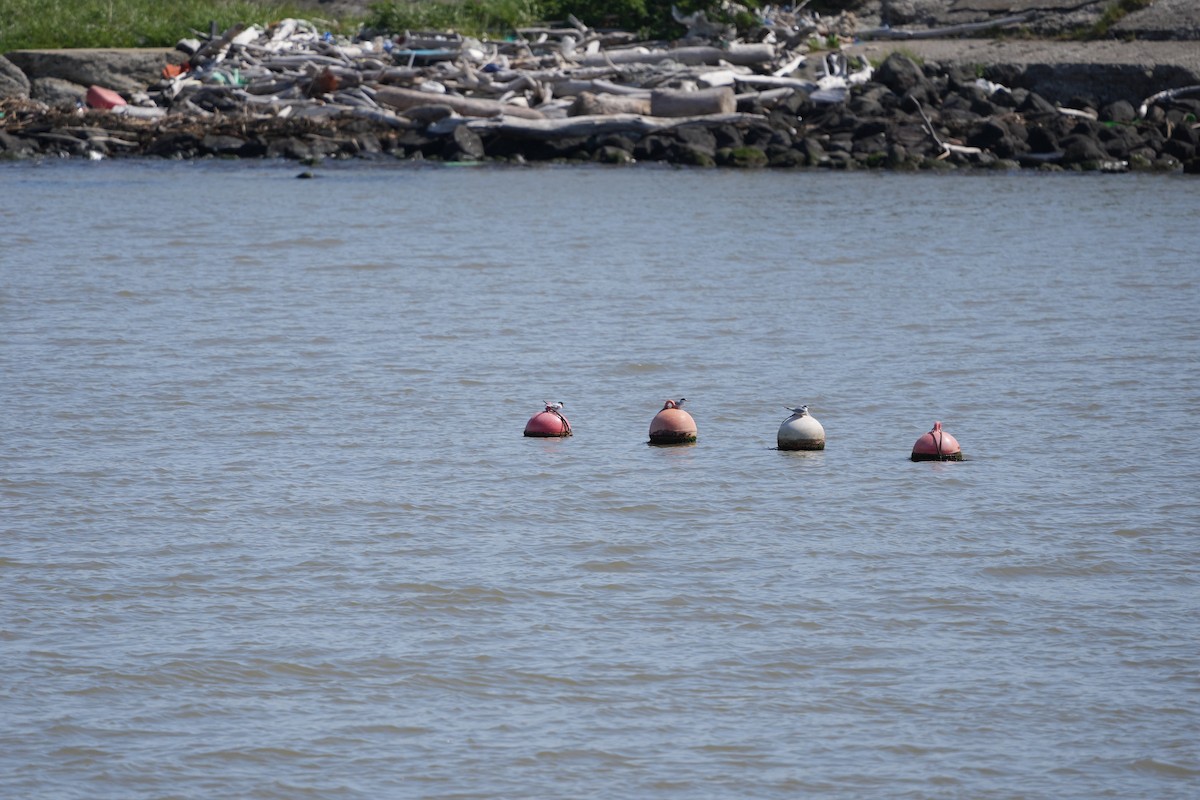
(589, 104)
(676, 103)
(544, 129)
(745, 55)
(400, 99)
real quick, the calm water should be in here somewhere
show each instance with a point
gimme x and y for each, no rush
(270, 528)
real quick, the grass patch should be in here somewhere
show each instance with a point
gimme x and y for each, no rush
(472, 17)
(47, 24)
(1111, 16)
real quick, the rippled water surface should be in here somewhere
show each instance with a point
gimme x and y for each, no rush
(270, 528)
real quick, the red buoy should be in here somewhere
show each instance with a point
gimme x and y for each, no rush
(937, 445)
(672, 425)
(548, 423)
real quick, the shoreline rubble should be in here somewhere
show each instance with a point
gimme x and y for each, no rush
(574, 94)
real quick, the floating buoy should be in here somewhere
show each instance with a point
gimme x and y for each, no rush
(672, 425)
(800, 431)
(549, 423)
(937, 445)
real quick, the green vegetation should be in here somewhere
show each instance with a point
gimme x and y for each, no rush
(28, 24)
(45, 24)
(1111, 16)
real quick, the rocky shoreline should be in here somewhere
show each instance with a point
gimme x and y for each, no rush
(779, 102)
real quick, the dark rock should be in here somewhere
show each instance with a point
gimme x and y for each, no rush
(698, 138)
(784, 157)
(56, 91)
(289, 147)
(15, 146)
(901, 75)
(1119, 140)
(123, 70)
(910, 136)
(221, 145)
(1042, 140)
(620, 141)
(870, 145)
(1120, 111)
(1081, 149)
(743, 157)
(655, 147)
(760, 135)
(13, 82)
(1034, 103)
(1184, 132)
(175, 145)
(866, 106)
(990, 134)
(871, 127)
(463, 144)
(814, 153)
(692, 156)
(796, 103)
(368, 144)
(727, 136)
(1179, 149)
(608, 154)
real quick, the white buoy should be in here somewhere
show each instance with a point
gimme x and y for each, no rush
(800, 431)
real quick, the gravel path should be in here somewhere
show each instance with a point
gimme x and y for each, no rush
(1023, 52)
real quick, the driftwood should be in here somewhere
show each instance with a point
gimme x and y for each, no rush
(740, 54)
(545, 129)
(947, 148)
(1165, 95)
(588, 104)
(944, 33)
(675, 103)
(400, 99)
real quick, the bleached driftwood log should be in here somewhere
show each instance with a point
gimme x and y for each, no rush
(676, 103)
(740, 54)
(584, 126)
(588, 104)
(401, 99)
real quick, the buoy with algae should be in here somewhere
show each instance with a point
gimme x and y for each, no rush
(800, 431)
(937, 445)
(549, 423)
(672, 425)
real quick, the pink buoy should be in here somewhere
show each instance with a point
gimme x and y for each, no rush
(549, 423)
(937, 445)
(99, 97)
(672, 425)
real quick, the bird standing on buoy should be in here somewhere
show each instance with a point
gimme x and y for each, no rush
(800, 431)
(673, 425)
(937, 445)
(549, 423)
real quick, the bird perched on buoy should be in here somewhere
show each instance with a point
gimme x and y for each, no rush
(800, 431)
(549, 423)
(673, 425)
(937, 445)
